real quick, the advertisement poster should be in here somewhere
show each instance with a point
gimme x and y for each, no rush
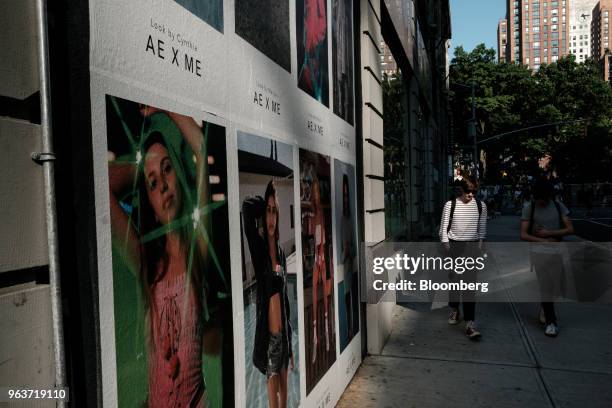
(311, 38)
(265, 25)
(317, 254)
(170, 257)
(346, 247)
(210, 11)
(269, 272)
(342, 58)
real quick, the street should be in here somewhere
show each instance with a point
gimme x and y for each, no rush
(595, 226)
(427, 363)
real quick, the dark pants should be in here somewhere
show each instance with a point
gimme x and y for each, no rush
(468, 298)
(549, 271)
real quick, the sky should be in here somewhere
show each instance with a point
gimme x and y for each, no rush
(474, 22)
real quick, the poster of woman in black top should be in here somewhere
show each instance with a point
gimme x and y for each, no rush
(269, 272)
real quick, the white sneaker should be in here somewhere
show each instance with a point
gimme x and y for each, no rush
(454, 316)
(470, 330)
(551, 330)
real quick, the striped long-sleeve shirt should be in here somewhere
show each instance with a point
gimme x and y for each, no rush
(465, 225)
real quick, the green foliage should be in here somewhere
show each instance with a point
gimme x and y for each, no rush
(509, 97)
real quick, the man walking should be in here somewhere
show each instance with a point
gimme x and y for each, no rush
(463, 228)
(544, 221)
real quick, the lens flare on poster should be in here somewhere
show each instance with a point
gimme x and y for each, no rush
(169, 226)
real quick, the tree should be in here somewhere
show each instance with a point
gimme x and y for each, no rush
(510, 97)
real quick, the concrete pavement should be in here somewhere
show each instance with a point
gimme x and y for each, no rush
(427, 363)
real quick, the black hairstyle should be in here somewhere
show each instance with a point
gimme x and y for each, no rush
(271, 192)
(543, 189)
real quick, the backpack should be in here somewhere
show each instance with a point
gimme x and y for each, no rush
(452, 212)
(557, 206)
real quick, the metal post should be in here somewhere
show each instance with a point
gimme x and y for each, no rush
(47, 157)
(473, 127)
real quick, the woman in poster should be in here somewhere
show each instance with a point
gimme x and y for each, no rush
(171, 272)
(319, 272)
(348, 252)
(272, 349)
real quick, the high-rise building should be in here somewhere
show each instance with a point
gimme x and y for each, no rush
(502, 39)
(600, 34)
(579, 42)
(387, 62)
(538, 31)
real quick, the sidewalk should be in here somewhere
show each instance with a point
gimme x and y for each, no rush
(427, 363)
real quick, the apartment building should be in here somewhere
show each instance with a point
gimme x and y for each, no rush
(502, 39)
(538, 31)
(600, 34)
